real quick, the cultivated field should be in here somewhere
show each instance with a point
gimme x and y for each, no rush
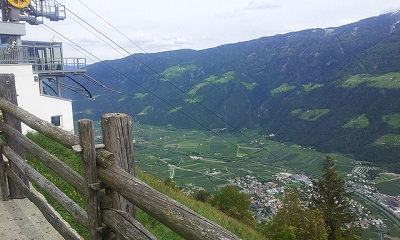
(210, 160)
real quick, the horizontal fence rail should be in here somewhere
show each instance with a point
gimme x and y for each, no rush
(174, 215)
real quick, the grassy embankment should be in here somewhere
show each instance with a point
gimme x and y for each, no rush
(159, 230)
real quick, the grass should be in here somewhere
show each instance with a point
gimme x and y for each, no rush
(89, 111)
(314, 114)
(357, 122)
(123, 98)
(158, 229)
(71, 160)
(204, 209)
(140, 95)
(225, 78)
(156, 147)
(282, 88)
(147, 110)
(174, 110)
(388, 139)
(391, 187)
(388, 80)
(384, 178)
(249, 86)
(310, 115)
(177, 71)
(235, 157)
(296, 111)
(194, 100)
(309, 87)
(392, 119)
(194, 90)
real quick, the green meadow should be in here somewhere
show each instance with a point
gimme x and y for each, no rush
(211, 160)
(393, 120)
(357, 122)
(282, 88)
(388, 80)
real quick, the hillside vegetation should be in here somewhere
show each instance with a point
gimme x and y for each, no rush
(335, 89)
(159, 230)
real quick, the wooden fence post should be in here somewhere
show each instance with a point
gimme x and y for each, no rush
(9, 93)
(3, 177)
(118, 139)
(91, 183)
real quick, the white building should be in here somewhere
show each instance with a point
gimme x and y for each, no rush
(38, 67)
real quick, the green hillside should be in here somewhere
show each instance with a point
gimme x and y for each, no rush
(335, 90)
(158, 229)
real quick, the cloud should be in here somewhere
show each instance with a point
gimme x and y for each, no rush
(253, 5)
(261, 5)
(153, 43)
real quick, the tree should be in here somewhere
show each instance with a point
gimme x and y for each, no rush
(296, 222)
(202, 195)
(170, 183)
(234, 203)
(331, 198)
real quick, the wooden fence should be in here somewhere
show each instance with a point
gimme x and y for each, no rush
(107, 166)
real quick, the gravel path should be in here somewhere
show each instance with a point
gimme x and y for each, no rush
(20, 219)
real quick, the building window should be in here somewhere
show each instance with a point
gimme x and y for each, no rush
(56, 120)
(50, 87)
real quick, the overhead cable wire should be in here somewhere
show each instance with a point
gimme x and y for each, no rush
(69, 44)
(87, 29)
(109, 24)
(126, 37)
(144, 88)
(171, 83)
(119, 46)
(175, 86)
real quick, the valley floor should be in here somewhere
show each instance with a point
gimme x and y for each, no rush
(262, 168)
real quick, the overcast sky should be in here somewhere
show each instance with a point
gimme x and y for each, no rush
(160, 25)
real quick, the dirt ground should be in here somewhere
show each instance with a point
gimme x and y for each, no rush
(20, 219)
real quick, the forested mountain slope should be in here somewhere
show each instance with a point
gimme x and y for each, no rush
(336, 89)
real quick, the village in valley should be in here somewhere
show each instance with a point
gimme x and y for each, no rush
(186, 158)
(267, 197)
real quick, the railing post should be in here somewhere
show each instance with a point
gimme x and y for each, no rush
(91, 184)
(3, 177)
(118, 139)
(9, 93)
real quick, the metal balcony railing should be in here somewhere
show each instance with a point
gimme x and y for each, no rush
(74, 65)
(58, 65)
(11, 54)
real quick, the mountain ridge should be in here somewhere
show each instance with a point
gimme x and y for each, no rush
(328, 88)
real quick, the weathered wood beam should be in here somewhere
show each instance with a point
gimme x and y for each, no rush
(8, 92)
(47, 212)
(73, 208)
(88, 155)
(3, 178)
(53, 132)
(174, 215)
(55, 164)
(125, 225)
(117, 138)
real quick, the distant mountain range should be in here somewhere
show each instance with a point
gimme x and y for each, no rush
(336, 89)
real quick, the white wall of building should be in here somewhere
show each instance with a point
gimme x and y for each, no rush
(30, 99)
